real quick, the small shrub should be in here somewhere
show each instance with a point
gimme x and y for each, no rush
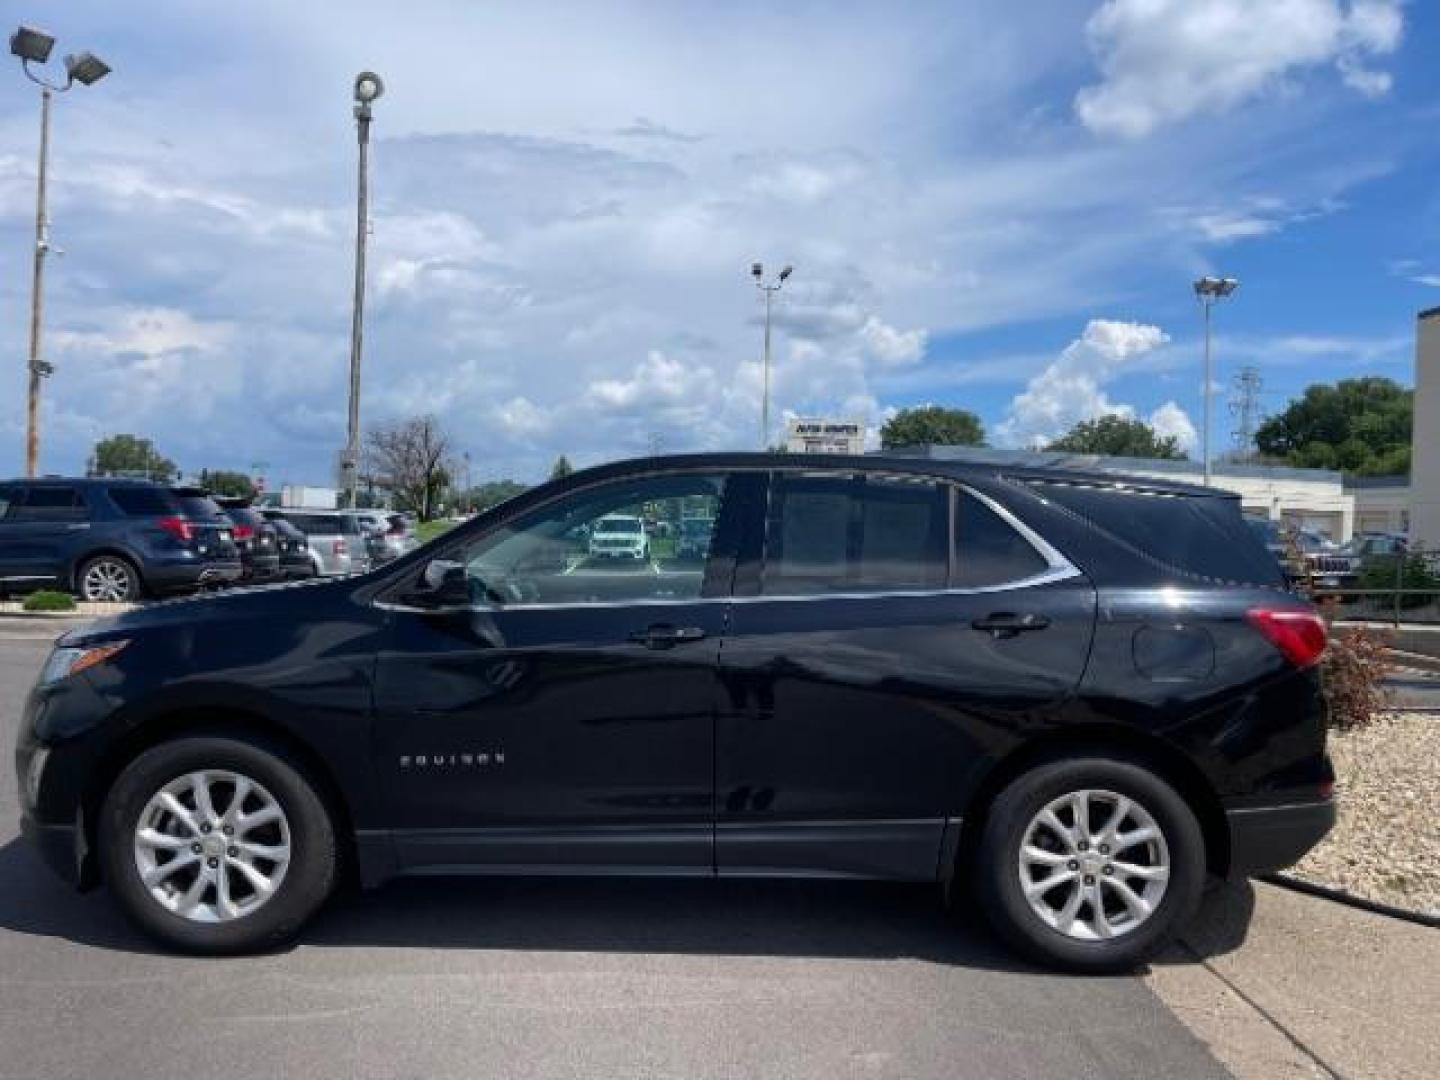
(1353, 673)
(1411, 571)
(49, 600)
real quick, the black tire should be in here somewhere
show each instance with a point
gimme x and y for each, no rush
(117, 565)
(997, 874)
(307, 882)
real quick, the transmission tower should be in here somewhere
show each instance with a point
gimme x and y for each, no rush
(1246, 409)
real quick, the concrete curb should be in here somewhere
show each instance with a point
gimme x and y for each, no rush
(1375, 907)
(83, 610)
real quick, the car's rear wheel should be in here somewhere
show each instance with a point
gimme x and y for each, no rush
(108, 578)
(214, 844)
(1091, 864)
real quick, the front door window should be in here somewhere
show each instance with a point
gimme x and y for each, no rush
(632, 542)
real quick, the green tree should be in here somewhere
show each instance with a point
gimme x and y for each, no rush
(932, 425)
(1118, 436)
(130, 455)
(561, 468)
(228, 483)
(1359, 425)
(484, 496)
(411, 459)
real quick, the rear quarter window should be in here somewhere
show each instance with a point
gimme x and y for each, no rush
(142, 502)
(314, 524)
(1202, 535)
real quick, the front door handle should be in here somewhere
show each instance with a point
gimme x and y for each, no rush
(1007, 624)
(665, 636)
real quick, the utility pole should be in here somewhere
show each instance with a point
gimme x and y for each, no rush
(33, 47)
(757, 270)
(38, 368)
(1209, 291)
(368, 87)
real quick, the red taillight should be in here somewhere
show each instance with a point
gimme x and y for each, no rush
(1298, 634)
(179, 528)
(340, 547)
(244, 532)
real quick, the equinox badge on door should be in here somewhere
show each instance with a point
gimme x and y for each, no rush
(478, 759)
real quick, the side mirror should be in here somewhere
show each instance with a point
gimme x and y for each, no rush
(443, 584)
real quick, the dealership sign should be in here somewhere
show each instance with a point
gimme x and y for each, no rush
(817, 436)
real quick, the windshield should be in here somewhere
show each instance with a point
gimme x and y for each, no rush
(617, 525)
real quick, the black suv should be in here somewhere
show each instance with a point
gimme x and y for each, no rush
(257, 538)
(107, 539)
(1074, 693)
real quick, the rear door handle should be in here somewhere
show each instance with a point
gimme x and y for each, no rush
(665, 636)
(1007, 624)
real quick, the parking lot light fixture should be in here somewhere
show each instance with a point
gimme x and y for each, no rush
(86, 68)
(33, 46)
(30, 44)
(769, 289)
(1210, 291)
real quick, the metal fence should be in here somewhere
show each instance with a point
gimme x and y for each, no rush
(1395, 588)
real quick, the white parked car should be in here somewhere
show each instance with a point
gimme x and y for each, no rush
(619, 537)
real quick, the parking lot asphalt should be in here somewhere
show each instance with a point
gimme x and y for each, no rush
(553, 978)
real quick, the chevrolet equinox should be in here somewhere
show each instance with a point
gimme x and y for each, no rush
(1076, 694)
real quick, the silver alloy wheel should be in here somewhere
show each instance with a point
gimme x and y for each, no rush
(1094, 865)
(206, 864)
(107, 579)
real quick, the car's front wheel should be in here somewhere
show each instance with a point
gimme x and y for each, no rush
(216, 844)
(1091, 864)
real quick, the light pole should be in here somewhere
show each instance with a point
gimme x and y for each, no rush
(33, 47)
(368, 87)
(769, 289)
(1210, 291)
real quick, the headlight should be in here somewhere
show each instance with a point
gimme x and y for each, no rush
(67, 661)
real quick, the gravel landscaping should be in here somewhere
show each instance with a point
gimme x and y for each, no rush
(1386, 846)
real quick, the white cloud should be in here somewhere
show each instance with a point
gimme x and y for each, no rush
(891, 346)
(1072, 388)
(656, 380)
(521, 416)
(1165, 60)
(1171, 421)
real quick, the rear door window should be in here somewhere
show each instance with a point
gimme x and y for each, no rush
(9, 500)
(50, 502)
(829, 533)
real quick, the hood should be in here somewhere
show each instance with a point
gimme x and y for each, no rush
(287, 596)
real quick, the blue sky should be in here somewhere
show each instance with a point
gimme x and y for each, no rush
(992, 205)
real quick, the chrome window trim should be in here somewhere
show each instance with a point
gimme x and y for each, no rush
(1045, 577)
(1059, 567)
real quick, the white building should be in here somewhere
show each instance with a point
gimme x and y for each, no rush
(1425, 436)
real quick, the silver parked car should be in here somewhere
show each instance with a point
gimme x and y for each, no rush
(338, 538)
(391, 534)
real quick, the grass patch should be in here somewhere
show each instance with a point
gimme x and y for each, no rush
(48, 600)
(428, 530)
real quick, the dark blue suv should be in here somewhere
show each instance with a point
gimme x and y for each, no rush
(109, 539)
